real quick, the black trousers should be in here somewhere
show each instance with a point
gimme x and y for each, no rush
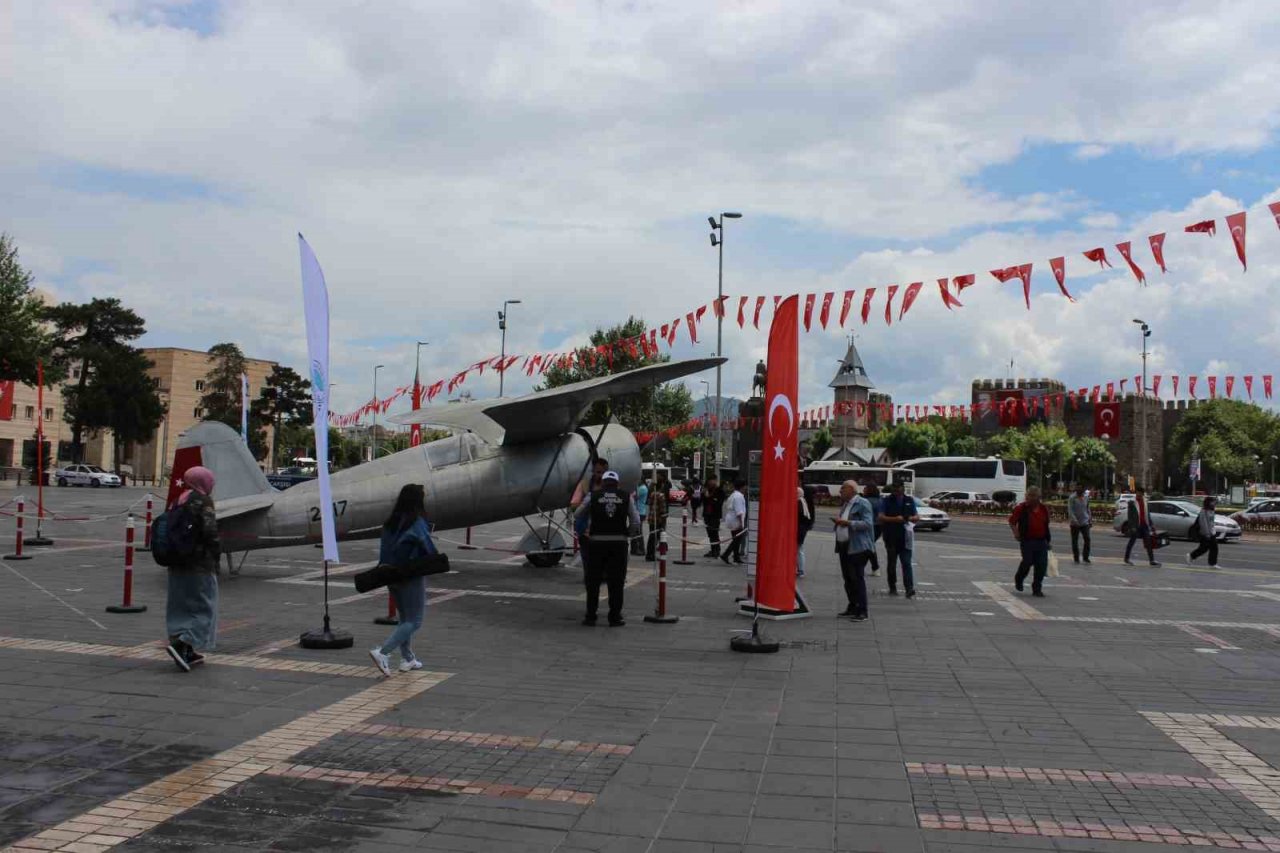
(852, 567)
(1078, 533)
(1144, 533)
(1209, 544)
(651, 549)
(1035, 557)
(713, 534)
(606, 563)
(738, 541)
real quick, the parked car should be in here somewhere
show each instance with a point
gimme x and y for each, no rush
(979, 498)
(1268, 509)
(86, 475)
(1178, 519)
(1124, 500)
(931, 518)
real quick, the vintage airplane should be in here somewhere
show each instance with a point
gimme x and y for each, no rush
(508, 458)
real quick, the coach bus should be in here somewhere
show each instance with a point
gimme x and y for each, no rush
(938, 474)
(827, 477)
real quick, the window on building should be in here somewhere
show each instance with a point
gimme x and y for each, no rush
(198, 413)
(31, 413)
(75, 373)
(199, 384)
(48, 414)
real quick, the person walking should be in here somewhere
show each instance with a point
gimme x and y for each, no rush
(735, 519)
(191, 607)
(695, 497)
(642, 507)
(610, 514)
(1140, 526)
(855, 543)
(896, 512)
(712, 504)
(804, 522)
(872, 494)
(659, 501)
(1204, 530)
(406, 537)
(1081, 520)
(584, 488)
(1030, 525)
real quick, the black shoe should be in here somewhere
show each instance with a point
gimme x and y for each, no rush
(1075, 560)
(848, 611)
(617, 623)
(739, 562)
(1088, 562)
(1017, 585)
(178, 653)
(589, 621)
(725, 560)
(1035, 593)
(911, 593)
(893, 590)
(194, 657)
(859, 617)
(711, 554)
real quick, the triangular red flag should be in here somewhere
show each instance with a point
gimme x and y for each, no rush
(963, 281)
(1059, 267)
(742, 311)
(701, 312)
(1155, 385)
(693, 329)
(1213, 387)
(809, 299)
(888, 304)
(1266, 385)
(1208, 226)
(1231, 385)
(1111, 391)
(1248, 386)
(1235, 222)
(1004, 275)
(825, 314)
(844, 308)
(1175, 386)
(1274, 207)
(866, 303)
(909, 297)
(759, 307)
(1191, 386)
(1157, 250)
(1024, 273)
(1126, 252)
(1098, 256)
(947, 299)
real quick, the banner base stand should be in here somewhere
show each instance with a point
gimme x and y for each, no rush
(747, 607)
(654, 618)
(327, 639)
(38, 541)
(126, 608)
(753, 643)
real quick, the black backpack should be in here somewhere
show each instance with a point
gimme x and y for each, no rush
(175, 536)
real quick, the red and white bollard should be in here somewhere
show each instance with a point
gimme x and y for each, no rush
(127, 606)
(684, 540)
(146, 534)
(660, 615)
(466, 545)
(390, 618)
(17, 547)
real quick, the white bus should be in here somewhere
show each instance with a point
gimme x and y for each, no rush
(827, 477)
(967, 474)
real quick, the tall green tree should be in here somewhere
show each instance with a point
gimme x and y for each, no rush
(221, 400)
(1227, 435)
(911, 440)
(87, 335)
(820, 443)
(285, 404)
(25, 339)
(1047, 449)
(683, 448)
(132, 408)
(1092, 457)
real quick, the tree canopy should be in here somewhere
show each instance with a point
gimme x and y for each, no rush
(285, 401)
(221, 400)
(1229, 436)
(25, 339)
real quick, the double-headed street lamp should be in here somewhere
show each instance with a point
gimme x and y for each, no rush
(718, 242)
(1142, 393)
(373, 433)
(502, 325)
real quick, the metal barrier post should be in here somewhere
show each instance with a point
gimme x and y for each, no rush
(684, 540)
(17, 547)
(660, 615)
(127, 606)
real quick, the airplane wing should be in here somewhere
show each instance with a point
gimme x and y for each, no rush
(546, 414)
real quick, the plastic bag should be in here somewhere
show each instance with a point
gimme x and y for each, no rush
(1053, 565)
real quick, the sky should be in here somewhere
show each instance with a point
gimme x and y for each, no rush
(442, 157)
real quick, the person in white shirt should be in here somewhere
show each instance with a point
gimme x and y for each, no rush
(735, 519)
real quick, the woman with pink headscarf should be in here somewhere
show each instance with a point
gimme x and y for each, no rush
(191, 614)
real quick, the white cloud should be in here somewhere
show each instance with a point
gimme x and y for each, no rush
(444, 157)
(1091, 152)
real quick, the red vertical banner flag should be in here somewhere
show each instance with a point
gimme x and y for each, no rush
(827, 299)
(1175, 386)
(866, 304)
(1157, 249)
(1231, 385)
(909, 298)
(1024, 273)
(947, 299)
(844, 307)
(809, 299)
(1191, 386)
(888, 304)
(1106, 421)
(1059, 267)
(776, 550)
(1266, 385)
(742, 311)
(1248, 386)
(755, 321)
(1126, 252)
(1274, 207)
(1236, 223)
(1213, 387)
(693, 327)
(415, 430)
(6, 400)
(1155, 385)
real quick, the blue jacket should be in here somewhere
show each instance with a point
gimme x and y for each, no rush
(861, 525)
(399, 547)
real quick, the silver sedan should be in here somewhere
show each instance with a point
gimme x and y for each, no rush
(1178, 519)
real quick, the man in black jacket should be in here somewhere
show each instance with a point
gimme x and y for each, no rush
(712, 501)
(610, 515)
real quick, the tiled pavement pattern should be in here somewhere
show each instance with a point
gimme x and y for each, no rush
(806, 750)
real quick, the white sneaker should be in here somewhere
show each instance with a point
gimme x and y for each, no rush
(381, 661)
(1187, 561)
(410, 665)
(1214, 566)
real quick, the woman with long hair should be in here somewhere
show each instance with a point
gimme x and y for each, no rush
(191, 609)
(405, 538)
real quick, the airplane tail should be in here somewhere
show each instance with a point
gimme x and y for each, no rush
(219, 448)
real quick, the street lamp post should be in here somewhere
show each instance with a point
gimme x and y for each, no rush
(718, 242)
(706, 415)
(1142, 392)
(502, 325)
(373, 433)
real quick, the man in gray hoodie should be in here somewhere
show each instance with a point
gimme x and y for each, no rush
(1208, 537)
(1081, 520)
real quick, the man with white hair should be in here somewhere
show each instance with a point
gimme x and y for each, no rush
(855, 542)
(1030, 525)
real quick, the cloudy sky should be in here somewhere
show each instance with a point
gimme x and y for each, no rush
(444, 156)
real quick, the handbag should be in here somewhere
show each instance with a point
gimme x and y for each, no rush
(1158, 540)
(385, 574)
(1053, 565)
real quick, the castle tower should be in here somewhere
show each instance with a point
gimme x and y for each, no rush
(852, 385)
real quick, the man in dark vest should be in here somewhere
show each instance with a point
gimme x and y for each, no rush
(610, 515)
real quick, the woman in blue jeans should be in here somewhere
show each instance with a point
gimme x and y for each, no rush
(405, 537)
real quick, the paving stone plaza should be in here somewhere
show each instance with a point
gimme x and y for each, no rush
(1132, 707)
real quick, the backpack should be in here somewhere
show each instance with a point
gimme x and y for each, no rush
(175, 536)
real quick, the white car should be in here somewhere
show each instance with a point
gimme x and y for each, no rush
(931, 518)
(979, 498)
(86, 475)
(1266, 510)
(1178, 519)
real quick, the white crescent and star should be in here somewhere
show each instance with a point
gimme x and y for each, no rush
(781, 401)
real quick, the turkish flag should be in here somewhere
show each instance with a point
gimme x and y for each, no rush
(1274, 207)
(1099, 256)
(1266, 385)
(1004, 275)
(1208, 226)
(1010, 407)
(693, 328)
(742, 311)
(1248, 386)
(827, 298)
(1155, 385)
(1213, 387)
(1157, 249)
(1191, 386)
(888, 305)
(1235, 222)
(776, 550)
(1126, 252)
(1106, 421)
(1059, 267)
(1111, 391)
(1024, 273)
(963, 281)
(1175, 386)
(808, 309)
(844, 308)
(415, 430)
(759, 306)
(866, 303)
(947, 299)
(909, 298)
(1231, 385)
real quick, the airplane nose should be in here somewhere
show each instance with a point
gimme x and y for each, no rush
(619, 446)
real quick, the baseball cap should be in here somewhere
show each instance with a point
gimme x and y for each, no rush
(610, 475)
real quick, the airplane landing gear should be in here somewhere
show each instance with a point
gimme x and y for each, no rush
(542, 548)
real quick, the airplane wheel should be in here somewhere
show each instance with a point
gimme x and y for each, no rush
(543, 559)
